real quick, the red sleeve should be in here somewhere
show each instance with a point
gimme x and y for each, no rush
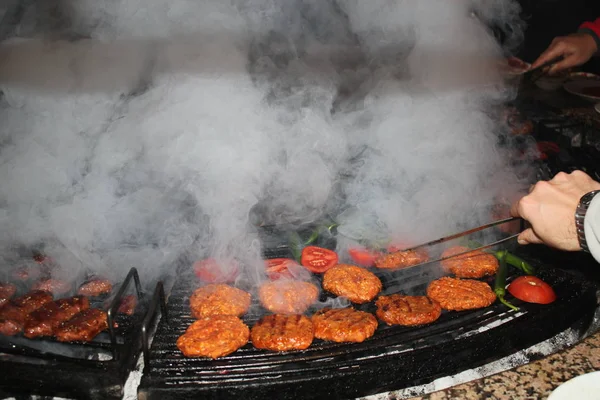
(592, 26)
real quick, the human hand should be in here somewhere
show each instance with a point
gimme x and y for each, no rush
(576, 49)
(550, 209)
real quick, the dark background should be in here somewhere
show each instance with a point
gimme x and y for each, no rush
(547, 19)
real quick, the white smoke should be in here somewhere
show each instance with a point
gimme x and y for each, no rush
(157, 139)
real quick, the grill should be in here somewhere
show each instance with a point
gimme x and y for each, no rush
(93, 370)
(395, 357)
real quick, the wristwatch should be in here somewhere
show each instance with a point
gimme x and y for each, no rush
(580, 212)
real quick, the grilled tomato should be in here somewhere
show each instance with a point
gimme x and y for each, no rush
(317, 259)
(531, 289)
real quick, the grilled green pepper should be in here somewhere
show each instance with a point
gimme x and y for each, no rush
(500, 283)
(511, 259)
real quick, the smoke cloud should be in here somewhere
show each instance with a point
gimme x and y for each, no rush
(152, 129)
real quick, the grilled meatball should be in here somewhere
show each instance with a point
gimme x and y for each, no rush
(473, 265)
(397, 309)
(460, 294)
(7, 291)
(287, 297)
(13, 314)
(282, 332)
(344, 325)
(95, 287)
(44, 320)
(128, 304)
(401, 259)
(55, 286)
(83, 327)
(214, 336)
(356, 284)
(219, 299)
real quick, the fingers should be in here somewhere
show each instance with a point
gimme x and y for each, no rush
(556, 49)
(566, 63)
(528, 237)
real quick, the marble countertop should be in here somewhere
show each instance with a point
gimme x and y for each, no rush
(531, 381)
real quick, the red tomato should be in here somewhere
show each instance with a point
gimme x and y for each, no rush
(532, 290)
(362, 256)
(209, 270)
(277, 268)
(317, 259)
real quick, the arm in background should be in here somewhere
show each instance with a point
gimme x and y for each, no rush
(575, 49)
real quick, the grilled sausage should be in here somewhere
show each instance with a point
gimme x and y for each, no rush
(83, 327)
(44, 320)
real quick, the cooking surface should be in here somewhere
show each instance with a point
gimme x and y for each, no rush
(394, 357)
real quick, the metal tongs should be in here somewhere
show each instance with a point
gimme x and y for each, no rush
(461, 234)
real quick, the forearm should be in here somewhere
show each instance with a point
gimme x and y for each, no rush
(592, 28)
(591, 226)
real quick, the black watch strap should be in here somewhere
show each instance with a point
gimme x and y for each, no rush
(580, 213)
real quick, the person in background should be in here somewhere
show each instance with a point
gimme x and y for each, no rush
(576, 49)
(563, 213)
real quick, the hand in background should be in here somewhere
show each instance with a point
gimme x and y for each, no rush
(550, 209)
(576, 49)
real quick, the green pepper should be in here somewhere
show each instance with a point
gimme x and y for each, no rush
(313, 236)
(295, 243)
(500, 283)
(511, 259)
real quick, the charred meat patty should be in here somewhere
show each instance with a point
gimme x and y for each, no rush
(83, 327)
(401, 259)
(344, 325)
(95, 287)
(460, 294)
(356, 284)
(26, 272)
(473, 265)
(398, 309)
(57, 287)
(287, 297)
(219, 299)
(44, 320)
(214, 336)
(282, 332)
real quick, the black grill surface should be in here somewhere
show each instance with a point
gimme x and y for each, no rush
(394, 358)
(92, 370)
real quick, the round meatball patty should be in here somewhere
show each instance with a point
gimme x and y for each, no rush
(398, 309)
(401, 259)
(356, 284)
(473, 265)
(282, 332)
(344, 325)
(460, 294)
(219, 299)
(214, 336)
(287, 297)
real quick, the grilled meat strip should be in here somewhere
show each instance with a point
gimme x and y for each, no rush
(47, 318)
(14, 314)
(128, 304)
(7, 291)
(83, 327)
(95, 287)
